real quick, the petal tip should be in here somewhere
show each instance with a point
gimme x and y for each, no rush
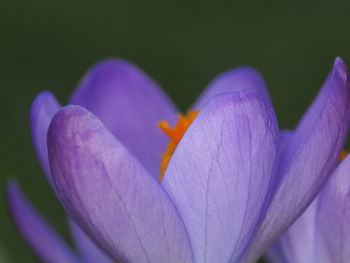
(243, 96)
(247, 70)
(238, 78)
(340, 69)
(41, 98)
(67, 115)
(13, 196)
(11, 187)
(111, 66)
(112, 62)
(107, 76)
(44, 94)
(45, 100)
(70, 123)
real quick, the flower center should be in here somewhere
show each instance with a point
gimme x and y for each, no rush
(175, 134)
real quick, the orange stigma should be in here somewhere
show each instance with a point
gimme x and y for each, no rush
(343, 155)
(175, 134)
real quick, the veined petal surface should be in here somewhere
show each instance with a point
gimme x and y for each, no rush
(220, 174)
(130, 105)
(46, 244)
(110, 194)
(309, 158)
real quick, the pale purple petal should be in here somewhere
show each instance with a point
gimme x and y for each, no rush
(298, 243)
(322, 233)
(234, 80)
(309, 159)
(221, 172)
(333, 217)
(130, 105)
(42, 111)
(110, 195)
(88, 251)
(43, 240)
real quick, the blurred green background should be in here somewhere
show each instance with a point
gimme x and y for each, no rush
(47, 45)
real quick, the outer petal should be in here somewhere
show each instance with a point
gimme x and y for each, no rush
(234, 80)
(40, 237)
(44, 107)
(221, 172)
(42, 111)
(130, 104)
(321, 234)
(309, 158)
(110, 194)
(298, 243)
(89, 252)
(333, 232)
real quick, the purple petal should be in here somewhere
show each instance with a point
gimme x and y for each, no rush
(285, 137)
(42, 111)
(44, 107)
(38, 234)
(333, 217)
(298, 243)
(110, 195)
(89, 252)
(234, 80)
(321, 234)
(130, 105)
(221, 172)
(309, 159)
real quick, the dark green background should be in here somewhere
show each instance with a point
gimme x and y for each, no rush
(47, 45)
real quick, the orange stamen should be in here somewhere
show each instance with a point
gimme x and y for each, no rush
(343, 155)
(175, 135)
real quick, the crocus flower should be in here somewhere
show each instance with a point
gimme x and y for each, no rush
(322, 233)
(231, 182)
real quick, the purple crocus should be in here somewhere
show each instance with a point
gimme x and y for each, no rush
(233, 184)
(321, 234)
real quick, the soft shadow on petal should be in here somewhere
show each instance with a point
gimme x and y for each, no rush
(110, 194)
(309, 159)
(43, 240)
(88, 251)
(333, 217)
(130, 105)
(220, 175)
(42, 111)
(239, 79)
